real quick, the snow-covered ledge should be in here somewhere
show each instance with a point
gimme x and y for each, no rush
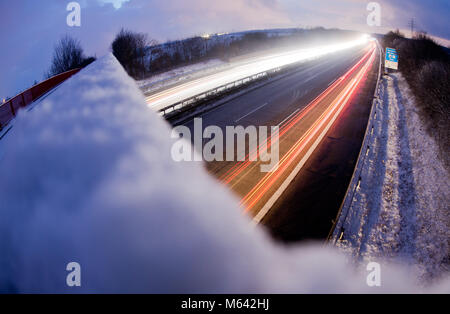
(87, 177)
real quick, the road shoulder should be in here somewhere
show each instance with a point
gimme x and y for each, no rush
(400, 209)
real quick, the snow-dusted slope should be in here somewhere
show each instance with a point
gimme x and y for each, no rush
(180, 74)
(86, 176)
(401, 210)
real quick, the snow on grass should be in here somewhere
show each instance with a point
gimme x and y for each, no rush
(87, 177)
(401, 210)
(180, 74)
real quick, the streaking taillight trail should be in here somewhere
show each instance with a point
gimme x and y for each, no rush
(311, 137)
(287, 125)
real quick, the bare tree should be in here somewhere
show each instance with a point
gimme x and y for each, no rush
(152, 43)
(130, 49)
(68, 55)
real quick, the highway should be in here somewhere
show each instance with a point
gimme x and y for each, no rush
(243, 69)
(304, 104)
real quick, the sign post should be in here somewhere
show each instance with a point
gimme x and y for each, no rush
(391, 61)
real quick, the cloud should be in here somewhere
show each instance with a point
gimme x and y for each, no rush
(29, 29)
(116, 3)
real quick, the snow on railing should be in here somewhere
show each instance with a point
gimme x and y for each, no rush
(9, 109)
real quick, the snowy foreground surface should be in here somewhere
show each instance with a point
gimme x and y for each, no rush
(401, 210)
(87, 177)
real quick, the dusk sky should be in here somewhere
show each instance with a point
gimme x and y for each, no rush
(29, 29)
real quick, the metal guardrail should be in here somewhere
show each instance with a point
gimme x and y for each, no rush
(207, 95)
(337, 231)
(9, 109)
(217, 91)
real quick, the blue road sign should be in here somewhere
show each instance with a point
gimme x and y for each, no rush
(391, 61)
(391, 56)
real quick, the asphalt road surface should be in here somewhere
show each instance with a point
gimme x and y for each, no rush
(321, 110)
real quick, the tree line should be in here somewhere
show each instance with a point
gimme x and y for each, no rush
(426, 66)
(142, 56)
(128, 47)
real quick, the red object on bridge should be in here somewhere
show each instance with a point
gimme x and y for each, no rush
(9, 109)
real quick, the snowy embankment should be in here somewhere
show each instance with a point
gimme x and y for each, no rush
(87, 177)
(180, 74)
(195, 70)
(401, 209)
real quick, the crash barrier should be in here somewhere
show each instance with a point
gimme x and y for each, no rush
(9, 109)
(337, 232)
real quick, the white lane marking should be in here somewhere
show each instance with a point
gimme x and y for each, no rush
(333, 65)
(332, 82)
(287, 118)
(250, 113)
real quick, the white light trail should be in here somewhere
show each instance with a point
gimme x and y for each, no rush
(184, 91)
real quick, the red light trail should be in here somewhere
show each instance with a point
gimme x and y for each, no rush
(325, 121)
(291, 122)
